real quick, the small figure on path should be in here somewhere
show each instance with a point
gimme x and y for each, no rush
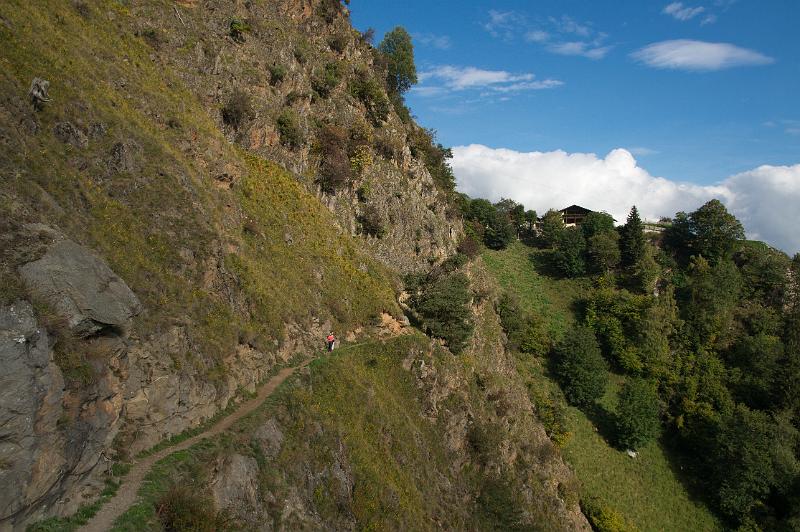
(331, 339)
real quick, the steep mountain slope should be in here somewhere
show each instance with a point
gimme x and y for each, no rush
(391, 434)
(171, 228)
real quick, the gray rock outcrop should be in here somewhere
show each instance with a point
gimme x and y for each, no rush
(31, 389)
(81, 288)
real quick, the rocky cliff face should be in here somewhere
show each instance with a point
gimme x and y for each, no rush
(301, 60)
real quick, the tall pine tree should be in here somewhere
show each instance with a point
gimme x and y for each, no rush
(631, 241)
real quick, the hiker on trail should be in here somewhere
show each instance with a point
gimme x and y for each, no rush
(331, 339)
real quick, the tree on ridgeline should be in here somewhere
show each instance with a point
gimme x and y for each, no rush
(596, 223)
(530, 220)
(401, 72)
(552, 227)
(631, 241)
(714, 230)
(710, 231)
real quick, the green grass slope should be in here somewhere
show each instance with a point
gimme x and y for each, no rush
(358, 411)
(647, 490)
(518, 268)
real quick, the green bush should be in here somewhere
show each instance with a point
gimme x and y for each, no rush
(302, 51)
(289, 129)
(436, 159)
(552, 412)
(604, 518)
(444, 305)
(638, 418)
(338, 41)
(580, 367)
(277, 73)
(335, 170)
(523, 332)
(500, 506)
(363, 87)
(237, 28)
(371, 222)
(238, 109)
(325, 81)
(295, 96)
(181, 508)
(484, 441)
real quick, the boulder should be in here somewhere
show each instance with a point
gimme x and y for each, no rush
(235, 485)
(269, 438)
(31, 389)
(82, 289)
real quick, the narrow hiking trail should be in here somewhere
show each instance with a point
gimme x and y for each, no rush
(128, 492)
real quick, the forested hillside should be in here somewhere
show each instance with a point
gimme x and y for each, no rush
(687, 336)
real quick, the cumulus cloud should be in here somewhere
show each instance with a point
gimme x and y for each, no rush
(685, 54)
(764, 199)
(683, 13)
(453, 78)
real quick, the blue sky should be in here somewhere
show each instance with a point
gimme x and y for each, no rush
(696, 92)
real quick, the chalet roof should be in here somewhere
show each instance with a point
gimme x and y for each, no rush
(575, 209)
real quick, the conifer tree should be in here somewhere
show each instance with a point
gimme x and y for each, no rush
(632, 239)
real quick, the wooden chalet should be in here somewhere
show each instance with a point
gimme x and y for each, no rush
(574, 215)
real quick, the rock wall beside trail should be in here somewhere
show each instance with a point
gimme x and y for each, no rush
(57, 438)
(32, 449)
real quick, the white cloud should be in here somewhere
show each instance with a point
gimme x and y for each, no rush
(581, 48)
(708, 19)
(568, 25)
(503, 23)
(679, 12)
(453, 78)
(442, 42)
(539, 36)
(764, 199)
(685, 54)
(564, 35)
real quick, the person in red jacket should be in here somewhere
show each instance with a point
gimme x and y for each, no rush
(331, 339)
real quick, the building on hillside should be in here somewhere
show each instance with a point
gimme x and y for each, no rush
(574, 215)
